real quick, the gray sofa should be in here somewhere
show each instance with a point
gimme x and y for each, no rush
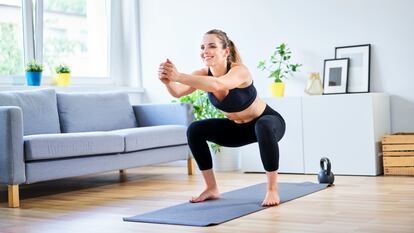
(46, 135)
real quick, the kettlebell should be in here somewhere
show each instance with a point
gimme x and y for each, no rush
(326, 176)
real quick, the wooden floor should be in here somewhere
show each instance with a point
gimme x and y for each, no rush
(97, 204)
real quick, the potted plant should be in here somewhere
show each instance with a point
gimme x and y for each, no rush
(279, 68)
(63, 75)
(34, 73)
(224, 158)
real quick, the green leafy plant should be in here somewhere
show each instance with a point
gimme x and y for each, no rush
(62, 69)
(279, 65)
(34, 66)
(203, 109)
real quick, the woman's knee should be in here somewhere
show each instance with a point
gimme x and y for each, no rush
(199, 128)
(265, 124)
(193, 128)
(268, 125)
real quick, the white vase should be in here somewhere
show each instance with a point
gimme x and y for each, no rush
(314, 86)
(228, 159)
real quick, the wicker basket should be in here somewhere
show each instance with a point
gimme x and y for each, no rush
(398, 151)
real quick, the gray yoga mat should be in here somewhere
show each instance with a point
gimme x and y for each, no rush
(231, 205)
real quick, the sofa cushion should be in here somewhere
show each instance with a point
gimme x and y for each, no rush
(84, 112)
(153, 137)
(39, 108)
(53, 146)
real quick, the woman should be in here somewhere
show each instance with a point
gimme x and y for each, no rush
(230, 88)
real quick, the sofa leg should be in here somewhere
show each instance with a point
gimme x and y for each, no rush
(190, 166)
(14, 200)
(122, 175)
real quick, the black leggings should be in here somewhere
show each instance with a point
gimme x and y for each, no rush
(267, 130)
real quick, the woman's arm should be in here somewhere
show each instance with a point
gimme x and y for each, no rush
(237, 76)
(178, 90)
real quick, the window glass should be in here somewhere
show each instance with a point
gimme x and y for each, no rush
(75, 34)
(11, 40)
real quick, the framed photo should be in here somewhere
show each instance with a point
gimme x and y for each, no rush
(335, 76)
(359, 68)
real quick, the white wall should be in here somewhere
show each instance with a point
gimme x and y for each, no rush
(311, 28)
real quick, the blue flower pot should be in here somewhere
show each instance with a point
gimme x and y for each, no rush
(33, 78)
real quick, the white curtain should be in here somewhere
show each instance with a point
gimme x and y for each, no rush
(125, 43)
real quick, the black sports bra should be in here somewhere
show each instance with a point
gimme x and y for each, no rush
(237, 100)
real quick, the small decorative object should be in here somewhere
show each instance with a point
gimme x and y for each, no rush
(279, 68)
(335, 76)
(359, 68)
(314, 86)
(63, 75)
(34, 73)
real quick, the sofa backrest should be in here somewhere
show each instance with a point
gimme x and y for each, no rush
(83, 112)
(39, 108)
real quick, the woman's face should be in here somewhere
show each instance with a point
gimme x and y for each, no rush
(212, 52)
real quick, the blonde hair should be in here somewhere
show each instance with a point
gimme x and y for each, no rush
(227, 43)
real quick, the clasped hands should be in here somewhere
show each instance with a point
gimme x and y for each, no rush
(167, 72)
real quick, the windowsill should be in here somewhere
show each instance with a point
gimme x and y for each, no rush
(78, 84)
(74, 88)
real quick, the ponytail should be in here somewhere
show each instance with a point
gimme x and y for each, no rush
(234, 53)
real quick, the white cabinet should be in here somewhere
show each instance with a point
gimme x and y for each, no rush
(345, 128)
(291, 145)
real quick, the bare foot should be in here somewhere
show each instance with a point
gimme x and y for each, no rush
(207, 194)
(272, 198)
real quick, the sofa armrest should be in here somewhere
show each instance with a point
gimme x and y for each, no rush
(163, 114)
(12, 167)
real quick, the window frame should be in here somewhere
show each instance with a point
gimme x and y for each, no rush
(33, 31)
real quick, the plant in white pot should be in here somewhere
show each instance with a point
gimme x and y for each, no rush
(224, 158)
(279, 68)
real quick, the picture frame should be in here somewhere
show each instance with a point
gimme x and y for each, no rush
(359, 67)
(335, 76)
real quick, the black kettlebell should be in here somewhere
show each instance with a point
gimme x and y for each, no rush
(326, 176)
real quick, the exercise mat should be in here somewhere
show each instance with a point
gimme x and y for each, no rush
(231, 205)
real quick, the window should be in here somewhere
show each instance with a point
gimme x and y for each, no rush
(75, 33)
(71, 32)
(11, 45)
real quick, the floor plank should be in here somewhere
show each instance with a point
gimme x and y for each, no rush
(97, 203)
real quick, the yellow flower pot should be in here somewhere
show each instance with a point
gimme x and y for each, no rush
(63, 79)
(277, 89)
